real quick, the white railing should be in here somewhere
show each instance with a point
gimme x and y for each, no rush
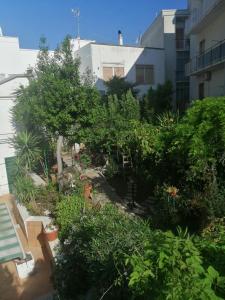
(198, 14)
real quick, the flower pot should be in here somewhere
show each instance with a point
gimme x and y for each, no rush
(51, 234)
(88, 191)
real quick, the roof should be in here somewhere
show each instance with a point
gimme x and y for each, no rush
(125, 46)
(10, 246)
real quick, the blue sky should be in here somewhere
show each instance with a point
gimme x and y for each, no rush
(99, 19)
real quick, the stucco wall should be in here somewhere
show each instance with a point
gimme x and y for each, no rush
(212, 32)
(5, 149)
(84, 54)
(161, 33)
(13, 60)
(154, 35)
(128, 57)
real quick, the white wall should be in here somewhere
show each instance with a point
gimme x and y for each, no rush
(5, 150)
(154, 35)
(13, 60)
(212, 32)
(161, 33)
(84, 54)
(128, 57)
(78, 43)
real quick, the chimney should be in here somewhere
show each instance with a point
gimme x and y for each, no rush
(120, 38)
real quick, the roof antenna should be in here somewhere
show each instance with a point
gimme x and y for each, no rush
(76, 13)
(1, 33)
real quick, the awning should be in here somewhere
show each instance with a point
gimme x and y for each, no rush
(10, 246)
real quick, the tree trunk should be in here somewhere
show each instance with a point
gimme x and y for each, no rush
(59, 161)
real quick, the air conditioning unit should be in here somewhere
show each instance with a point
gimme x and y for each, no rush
(207, 76)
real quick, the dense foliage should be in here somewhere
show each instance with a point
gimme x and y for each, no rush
(176, 161)
(119, 86)
(106, 252)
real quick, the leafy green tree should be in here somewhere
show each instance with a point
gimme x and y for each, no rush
(119, 86)
(109, 121)
(157, 101)
(56, 98)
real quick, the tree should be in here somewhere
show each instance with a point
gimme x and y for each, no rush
(157, 101)
(119, 86)
(56, 98)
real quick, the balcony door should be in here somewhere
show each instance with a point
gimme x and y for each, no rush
(201, 91)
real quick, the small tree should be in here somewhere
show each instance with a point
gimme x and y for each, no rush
(157, 101)
(119, 86)
(58, 98)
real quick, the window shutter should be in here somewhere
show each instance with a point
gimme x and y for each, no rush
(119, 71)
(107, 73)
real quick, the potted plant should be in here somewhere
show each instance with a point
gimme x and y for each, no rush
(51, 232)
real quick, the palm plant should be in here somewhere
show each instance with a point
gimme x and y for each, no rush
(27, 149)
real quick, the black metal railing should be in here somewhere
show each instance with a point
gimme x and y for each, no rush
(207, 59)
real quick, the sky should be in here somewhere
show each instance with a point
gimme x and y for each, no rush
(100, 20)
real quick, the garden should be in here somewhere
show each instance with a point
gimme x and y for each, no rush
(171, 162)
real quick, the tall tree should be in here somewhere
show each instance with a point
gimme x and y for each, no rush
(56, 99)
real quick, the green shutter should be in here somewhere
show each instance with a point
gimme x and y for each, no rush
(11, 169)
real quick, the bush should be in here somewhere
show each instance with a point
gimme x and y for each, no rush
(107, 251)
(119, 86)
(211, 243)
(25, 190)
(171, 268)
(199, 142)
(93, 256)
(68, 211)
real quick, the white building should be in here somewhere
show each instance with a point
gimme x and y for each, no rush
(141, 66)
(14, 63)
(168, 32)
(205, 27)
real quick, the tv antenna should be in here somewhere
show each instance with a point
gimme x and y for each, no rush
(76, 13)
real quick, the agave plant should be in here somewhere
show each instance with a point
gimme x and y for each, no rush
(27, 149)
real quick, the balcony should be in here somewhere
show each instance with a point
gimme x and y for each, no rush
(207, 60)
(201, 14)
(182, 44)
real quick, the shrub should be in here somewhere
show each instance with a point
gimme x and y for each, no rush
(211, 243)
(25, 189)
(92, 257)
(68, 211)
(199, 141)
(171, 268)
(119, 86)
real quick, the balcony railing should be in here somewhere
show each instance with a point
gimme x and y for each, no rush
(183, 44)
(198, 14)
(206, 60)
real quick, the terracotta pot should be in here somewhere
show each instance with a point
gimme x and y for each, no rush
(88, 191)
(51, 235)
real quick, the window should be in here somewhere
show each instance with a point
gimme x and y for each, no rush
(144, 74)
(119, 71)
(109, 72)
